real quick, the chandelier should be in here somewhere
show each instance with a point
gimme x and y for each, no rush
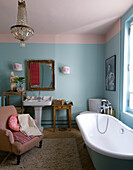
(22, 31)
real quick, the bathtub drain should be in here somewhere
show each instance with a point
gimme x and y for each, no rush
(122, 131)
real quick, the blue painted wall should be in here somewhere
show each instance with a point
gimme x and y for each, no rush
(112, 47)
(85, 81)
(115, 46)
(87, 78)
(125, 117)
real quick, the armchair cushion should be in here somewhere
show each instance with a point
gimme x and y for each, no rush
(13, 122)
(19, 148)
(20, 137)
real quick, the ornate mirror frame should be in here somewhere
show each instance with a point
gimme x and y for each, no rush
(30, 88)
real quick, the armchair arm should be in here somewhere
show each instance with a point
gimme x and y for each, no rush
(6, 136)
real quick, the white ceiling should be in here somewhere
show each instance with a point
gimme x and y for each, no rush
(65, 16)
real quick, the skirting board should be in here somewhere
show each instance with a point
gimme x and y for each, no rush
(59, 123)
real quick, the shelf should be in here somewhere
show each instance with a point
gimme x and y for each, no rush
(13, 93)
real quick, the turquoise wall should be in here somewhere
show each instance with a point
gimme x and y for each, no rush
(87, 77)
(112, 47)
(85, 81)
(115, 46)
(127, 118)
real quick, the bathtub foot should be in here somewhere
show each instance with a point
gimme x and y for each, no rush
(84, 145)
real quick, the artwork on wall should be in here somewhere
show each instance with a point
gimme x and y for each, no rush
(110, 73)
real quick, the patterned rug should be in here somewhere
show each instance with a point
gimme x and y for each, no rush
(55, 154)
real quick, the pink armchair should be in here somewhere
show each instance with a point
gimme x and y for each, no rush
(7, 142)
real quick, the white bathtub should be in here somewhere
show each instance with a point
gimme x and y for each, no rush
(112, 150)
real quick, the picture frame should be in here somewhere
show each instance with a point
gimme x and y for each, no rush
(110, 73)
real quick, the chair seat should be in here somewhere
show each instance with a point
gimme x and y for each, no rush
(19, 148)
(22, 138)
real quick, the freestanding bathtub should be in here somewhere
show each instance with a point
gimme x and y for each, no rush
(110, 145)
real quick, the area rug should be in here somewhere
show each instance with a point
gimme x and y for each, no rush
(55, 154)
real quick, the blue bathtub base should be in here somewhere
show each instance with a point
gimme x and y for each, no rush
(102, 162)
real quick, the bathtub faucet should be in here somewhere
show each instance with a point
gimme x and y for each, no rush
(110, 107)
(106, 105)
(110, 110)
(103, 106)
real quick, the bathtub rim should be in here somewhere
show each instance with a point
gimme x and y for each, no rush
(102, 150)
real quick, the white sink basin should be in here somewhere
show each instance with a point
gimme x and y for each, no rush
(44, 101)
(38, 103)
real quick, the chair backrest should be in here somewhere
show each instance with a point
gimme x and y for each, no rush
(5, 113)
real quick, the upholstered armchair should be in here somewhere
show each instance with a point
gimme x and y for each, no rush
(7, 142)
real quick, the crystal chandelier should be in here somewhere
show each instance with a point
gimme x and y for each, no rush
(22, 31)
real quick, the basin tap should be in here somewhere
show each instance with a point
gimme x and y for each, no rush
(39, 97)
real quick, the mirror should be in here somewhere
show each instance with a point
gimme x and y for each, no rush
(40, 75)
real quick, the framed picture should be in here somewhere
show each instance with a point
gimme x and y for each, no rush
(110, 73)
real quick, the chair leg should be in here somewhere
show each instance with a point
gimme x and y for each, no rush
(40, 144)
(84, 145)
(18, 159)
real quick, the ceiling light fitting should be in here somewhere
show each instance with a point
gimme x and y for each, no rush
(22, 31)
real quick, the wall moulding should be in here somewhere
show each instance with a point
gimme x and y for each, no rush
(58, 39)
(115, 29)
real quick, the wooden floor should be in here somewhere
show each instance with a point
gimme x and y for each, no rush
(74, 133)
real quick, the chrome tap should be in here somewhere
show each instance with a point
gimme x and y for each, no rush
(106, 105)
(39, 97)
(103, 109)
(110, 108)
